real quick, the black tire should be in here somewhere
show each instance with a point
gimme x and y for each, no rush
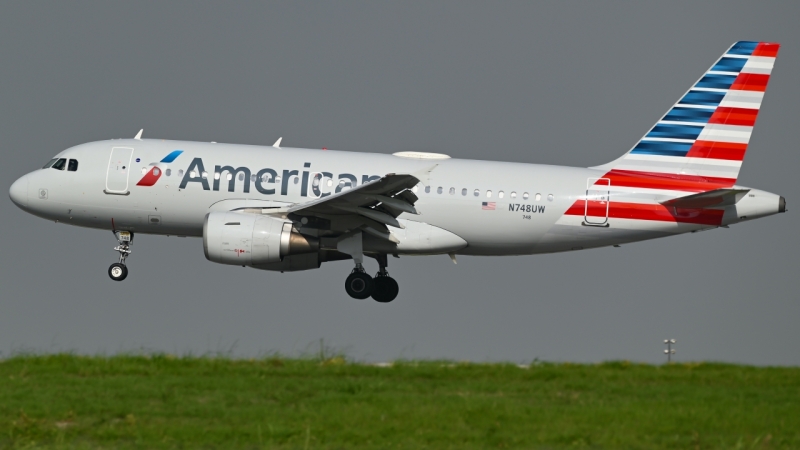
(386, 289)
(118, 272)
(359, 285)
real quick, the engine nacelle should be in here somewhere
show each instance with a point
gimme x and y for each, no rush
(251, 239)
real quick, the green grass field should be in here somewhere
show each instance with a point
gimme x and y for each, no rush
(159, 401)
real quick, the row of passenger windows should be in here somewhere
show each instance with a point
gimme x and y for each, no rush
(61, 163)
(316, 182)
(477, 193)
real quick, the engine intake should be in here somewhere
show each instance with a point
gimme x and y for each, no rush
(252, 239)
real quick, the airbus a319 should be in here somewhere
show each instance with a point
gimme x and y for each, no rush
(290, 209)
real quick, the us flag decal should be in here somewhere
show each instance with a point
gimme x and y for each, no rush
(488, 206)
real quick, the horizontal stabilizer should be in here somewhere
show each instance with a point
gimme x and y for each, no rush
(711, 199)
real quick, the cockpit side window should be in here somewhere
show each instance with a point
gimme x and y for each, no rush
(60, 164)
(50, 163)
(73, 165)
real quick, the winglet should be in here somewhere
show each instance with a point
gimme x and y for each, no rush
(277, 143)
(138, 136)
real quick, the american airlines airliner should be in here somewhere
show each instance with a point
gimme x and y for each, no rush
(288, 209)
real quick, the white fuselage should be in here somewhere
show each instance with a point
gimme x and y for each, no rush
(496, 208)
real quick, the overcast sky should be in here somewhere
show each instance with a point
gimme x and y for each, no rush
(568, 83)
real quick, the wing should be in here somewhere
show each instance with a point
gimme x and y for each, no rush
(371, 207)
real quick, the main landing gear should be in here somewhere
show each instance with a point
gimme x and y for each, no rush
(118, 271)
(382, 288)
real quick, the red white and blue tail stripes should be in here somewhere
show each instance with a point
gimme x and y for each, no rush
(703, 138)
(697, 146)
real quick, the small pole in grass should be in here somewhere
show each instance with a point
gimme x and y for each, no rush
(669, 351)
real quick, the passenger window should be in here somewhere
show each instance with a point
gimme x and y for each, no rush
(525, 196)
(73, 165)
(452, 191)
(464, 191)
(500, 194)
(168, 172)
(50, 163)
(513, 194)
(253, 180)
(477, 192)
(414, 189)
(488, 194)
(296, 179)
(59, 165)
(439, 190)
(550, 197)
(427, 189)
(216, 175)
(204, 175)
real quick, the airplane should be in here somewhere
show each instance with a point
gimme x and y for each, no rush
(290, 209)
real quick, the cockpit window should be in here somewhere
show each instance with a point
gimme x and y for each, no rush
(50, 163)
(60, 164)
(73, 165)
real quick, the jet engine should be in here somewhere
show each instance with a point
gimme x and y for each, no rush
(251, 239)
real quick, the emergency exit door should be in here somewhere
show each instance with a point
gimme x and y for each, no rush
(119, 167)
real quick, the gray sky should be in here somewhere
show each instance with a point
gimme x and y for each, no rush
(570, 83)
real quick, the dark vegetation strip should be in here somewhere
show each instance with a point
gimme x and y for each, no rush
(158, 401)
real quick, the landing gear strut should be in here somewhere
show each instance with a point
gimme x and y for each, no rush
(118, 271)
(386, 288)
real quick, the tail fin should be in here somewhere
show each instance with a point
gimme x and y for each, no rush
(704, 137)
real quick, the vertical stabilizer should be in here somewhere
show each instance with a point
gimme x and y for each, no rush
(704, 137)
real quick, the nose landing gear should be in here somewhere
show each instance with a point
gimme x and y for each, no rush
(118, 271)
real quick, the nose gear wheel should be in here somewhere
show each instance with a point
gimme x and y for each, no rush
(118, 272)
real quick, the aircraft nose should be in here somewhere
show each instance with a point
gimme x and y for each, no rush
(19, 192)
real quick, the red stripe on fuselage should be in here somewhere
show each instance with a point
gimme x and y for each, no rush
(717, 150)
(750, 82)
(734, 116)
(672, 182)
(638, 211)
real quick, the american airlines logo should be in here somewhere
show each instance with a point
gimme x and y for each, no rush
(264, 179)
(151, 176)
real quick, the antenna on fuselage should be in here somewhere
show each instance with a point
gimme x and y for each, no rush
(277, 143)
(138, 136)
